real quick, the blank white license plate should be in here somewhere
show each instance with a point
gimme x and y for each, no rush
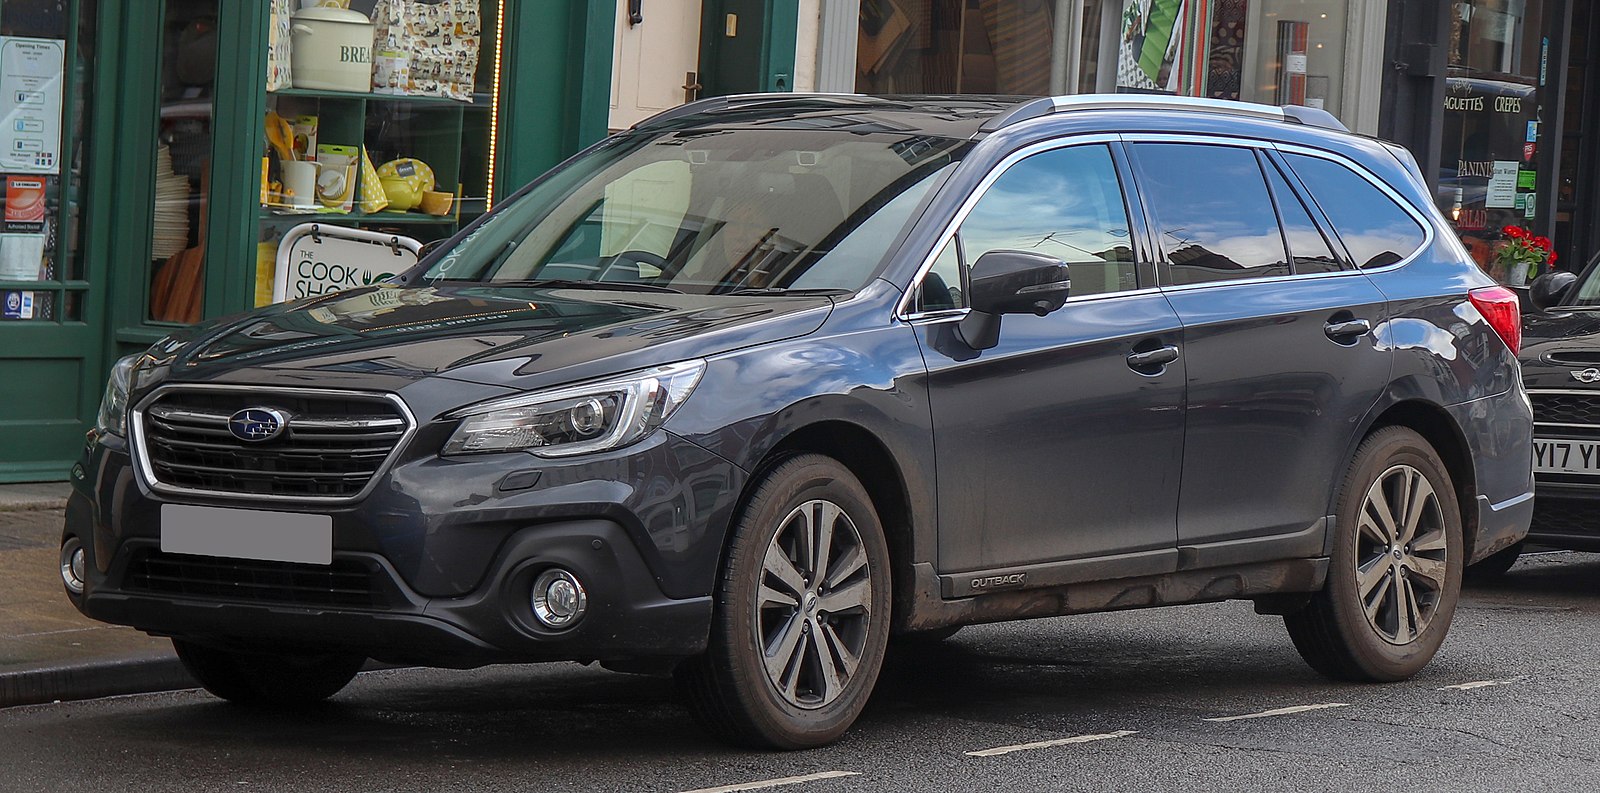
(247, 534)
(1566, 457)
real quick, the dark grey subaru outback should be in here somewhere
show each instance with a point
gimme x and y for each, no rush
(744, 391)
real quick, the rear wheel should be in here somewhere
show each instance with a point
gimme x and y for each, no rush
(802, 612)
(1395, 573)
(277, 680)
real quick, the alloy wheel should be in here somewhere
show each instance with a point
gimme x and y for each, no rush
(814, 604)
(1401, 552)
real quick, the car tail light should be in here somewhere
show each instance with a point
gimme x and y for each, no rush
(1499, 305)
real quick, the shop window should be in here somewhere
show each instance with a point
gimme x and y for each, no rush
(1375, 230)
(183, 161)
(42, 175)
(1212, 211)
(1493, 132)
(1276, 52)
(961, 46)
(397, 140)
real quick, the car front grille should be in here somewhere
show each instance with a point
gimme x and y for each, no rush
(1565, 407)
(331, 446)
(346, 583)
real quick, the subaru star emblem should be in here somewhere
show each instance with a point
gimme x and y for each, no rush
(257, 424)
(1590, 375)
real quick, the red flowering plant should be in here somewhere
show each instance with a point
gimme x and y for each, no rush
(1522, 254)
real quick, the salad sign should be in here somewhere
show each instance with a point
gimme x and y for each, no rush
(316, 259)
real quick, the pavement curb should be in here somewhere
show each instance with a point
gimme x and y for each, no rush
(40, 505)
(91, 680)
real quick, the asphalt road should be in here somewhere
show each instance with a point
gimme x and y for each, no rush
(1509, 704)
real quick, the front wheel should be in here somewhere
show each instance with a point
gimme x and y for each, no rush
(1395, 573)
(802, 612)
(271, 680)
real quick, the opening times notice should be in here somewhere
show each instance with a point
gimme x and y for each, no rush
(31, 76)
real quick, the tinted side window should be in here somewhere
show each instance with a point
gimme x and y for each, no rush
(1307, 246)
(1066, 203)
(1212, 211)
(941, 287)
(1372, 226)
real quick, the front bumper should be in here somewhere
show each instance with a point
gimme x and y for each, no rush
(446, 554)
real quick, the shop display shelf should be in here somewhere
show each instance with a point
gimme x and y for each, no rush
(317, 93)
(357, 218)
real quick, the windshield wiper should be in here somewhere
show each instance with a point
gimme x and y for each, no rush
(572, 283)
(780, 290)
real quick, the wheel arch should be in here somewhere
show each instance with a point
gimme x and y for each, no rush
(869, 458)
(1441, 431)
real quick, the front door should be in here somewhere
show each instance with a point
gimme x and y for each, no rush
(1282, 360)
(51, 367)
(656, 63)
(1055, 445)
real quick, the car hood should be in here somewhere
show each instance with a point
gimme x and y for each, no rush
(1556, 345)
(501, 337)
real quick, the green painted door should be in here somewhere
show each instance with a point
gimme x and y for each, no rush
(51, 295)
(748, 46)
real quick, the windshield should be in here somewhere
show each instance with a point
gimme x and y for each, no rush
(1587, 293)
(711, 211)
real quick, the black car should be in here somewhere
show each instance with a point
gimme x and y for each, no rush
(741, 392)
(1561, 371)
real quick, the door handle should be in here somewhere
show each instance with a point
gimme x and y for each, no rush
(635, 12)
(691, 87)
(1151, 359)
(1349, 329)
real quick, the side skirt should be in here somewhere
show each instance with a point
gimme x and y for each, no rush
(928, 609)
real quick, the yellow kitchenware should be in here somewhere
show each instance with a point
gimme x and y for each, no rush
(436, 203)
(372, 197)
(281, 135)
(404, 181)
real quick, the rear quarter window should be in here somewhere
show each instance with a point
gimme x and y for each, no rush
(1374, 228)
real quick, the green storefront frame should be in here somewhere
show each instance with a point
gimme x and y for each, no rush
(554, 96)
(554, 100)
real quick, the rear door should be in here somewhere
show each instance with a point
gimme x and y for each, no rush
(1280, 356)
(1055, 447)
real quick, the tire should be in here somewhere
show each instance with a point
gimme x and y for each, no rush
(766, 599)
(1494, 565)
(267, 680)
(1334, 633)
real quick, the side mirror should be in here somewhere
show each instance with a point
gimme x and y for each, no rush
(428, 248)
(1011, 282)
(1551, 288)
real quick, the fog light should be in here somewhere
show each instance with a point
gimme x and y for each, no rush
(72, 562)
(558, 598)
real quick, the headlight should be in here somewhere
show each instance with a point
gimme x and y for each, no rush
(113, 417)
(577, 419)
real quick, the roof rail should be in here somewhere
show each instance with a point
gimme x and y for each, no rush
(1294, 114)
(725, 102)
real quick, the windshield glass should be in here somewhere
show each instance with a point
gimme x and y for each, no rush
(711, 211)
(1587, 294)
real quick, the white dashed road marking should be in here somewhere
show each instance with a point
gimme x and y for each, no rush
(1480, 684)
(1023, 747)
(770, 783)
(1281, 711)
